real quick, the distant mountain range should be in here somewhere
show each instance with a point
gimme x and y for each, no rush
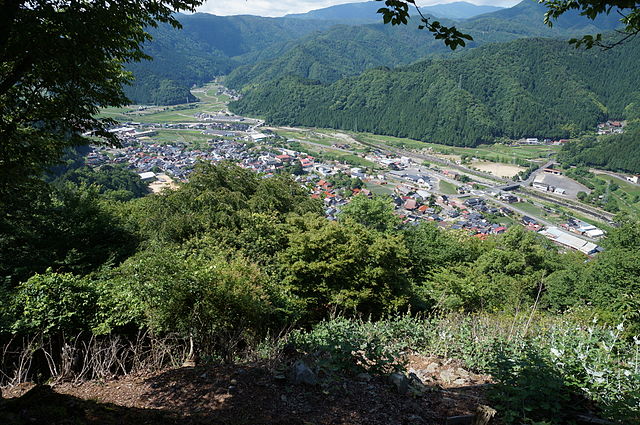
(367, 12)
(254, 50)
(208, 46)
(343, 51)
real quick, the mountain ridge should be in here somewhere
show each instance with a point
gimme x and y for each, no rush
(366, 12)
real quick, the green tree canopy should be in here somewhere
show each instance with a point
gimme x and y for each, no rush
(60, 61)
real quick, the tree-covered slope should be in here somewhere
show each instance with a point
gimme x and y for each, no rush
(619, 152)
(340, 52)
(270, 48)
(344, 51)
(526, 19)
(205, 47)
(525, 88)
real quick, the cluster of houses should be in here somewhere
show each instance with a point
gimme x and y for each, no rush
(611, 127)
(470, 215)
(473, 213)
(144, 156)
(139, 130)
(582, 228)
(233, 95)
(176, 159)
(414, 177)
(414, 200)
(536, 141)
(332, 198)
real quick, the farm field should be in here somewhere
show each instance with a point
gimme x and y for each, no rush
(497, 169)
(185, 136)
(494, 153)
(210, 102)
(320, 136)
(447, 188)
(303, 136)
(529, 208)
(379, 189)
(625, 195)
(326, 152)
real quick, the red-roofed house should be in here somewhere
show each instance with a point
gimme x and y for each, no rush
(410, 204)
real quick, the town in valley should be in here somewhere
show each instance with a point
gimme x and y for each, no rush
(473, 190)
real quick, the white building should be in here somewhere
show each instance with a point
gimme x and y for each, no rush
(571, 241)
(150, 175)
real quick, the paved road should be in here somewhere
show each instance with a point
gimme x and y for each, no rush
(612, 174)
(532, 176)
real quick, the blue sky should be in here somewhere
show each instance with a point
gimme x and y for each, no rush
(283, 7)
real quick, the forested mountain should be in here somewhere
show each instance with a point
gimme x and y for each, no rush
(619, 152)
(270, 48)
(526, 18)
(366, 12)
(458, 10)
(344, 51)
(340, 52)
(524, 88)
(205, 47)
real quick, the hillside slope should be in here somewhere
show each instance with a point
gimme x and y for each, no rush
(264, 49)
(205, 47)
(525, 88)
(344, 51)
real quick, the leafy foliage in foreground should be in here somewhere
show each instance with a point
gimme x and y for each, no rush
(304, 265)
(232, 256)
(60, 64)
(545, 369)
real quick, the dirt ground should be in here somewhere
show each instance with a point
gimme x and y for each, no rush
(497, 169)
(162, 182)
(251, 394)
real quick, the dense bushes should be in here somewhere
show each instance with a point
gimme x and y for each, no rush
(231, 257)
(545, 369)
(228, 225)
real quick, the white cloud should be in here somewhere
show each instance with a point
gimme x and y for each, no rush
(266, 7)
(283, 7)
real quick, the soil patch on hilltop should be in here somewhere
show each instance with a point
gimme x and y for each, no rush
(250, 394)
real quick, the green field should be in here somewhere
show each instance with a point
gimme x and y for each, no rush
(529, 208)
(447, 188)
(305, 136)
(494, 153)
(185, 136)
(320, 136)
(625, 194)
(379, 189)
(209, 102)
